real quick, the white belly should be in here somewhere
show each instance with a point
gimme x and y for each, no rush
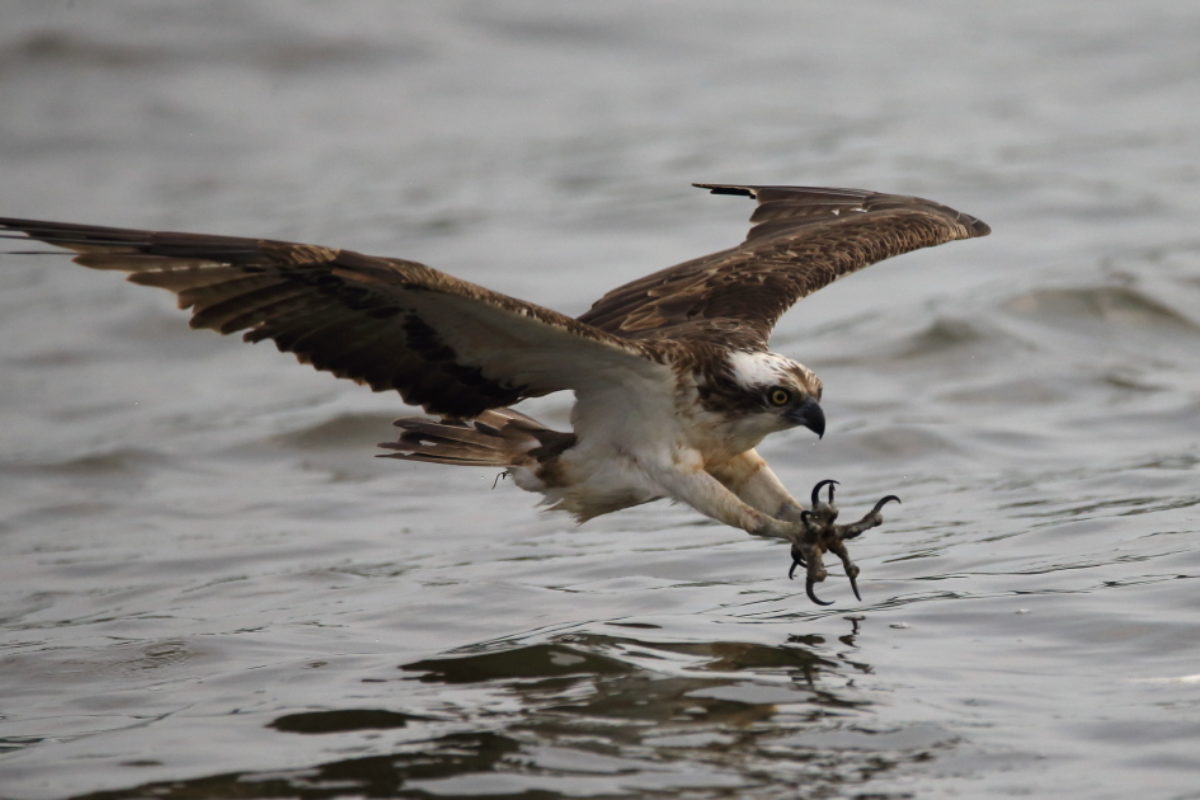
(590, 483)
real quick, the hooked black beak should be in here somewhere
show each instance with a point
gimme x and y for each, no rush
(810, 415)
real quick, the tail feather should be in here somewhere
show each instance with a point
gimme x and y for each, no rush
(499, 437)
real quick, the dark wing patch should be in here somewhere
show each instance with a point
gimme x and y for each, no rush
(801, 239)
(447, 345)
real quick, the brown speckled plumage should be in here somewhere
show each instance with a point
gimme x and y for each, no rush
(397, 324)
(802, 239)
(384, 322)
(673, 381)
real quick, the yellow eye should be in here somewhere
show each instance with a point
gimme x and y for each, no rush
(779, 396)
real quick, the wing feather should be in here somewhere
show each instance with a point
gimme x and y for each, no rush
(450, 346)
(801, 239)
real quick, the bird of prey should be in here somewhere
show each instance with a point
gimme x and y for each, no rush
(674, 383)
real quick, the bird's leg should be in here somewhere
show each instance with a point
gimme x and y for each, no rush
(822, 534)
(808, 550)
(744, 492)
(750, 477)
(710, 496)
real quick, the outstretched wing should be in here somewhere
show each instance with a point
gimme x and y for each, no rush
(802, 238)
(445, 344)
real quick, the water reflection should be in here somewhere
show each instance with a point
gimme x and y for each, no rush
(590, 714)
(342, 721)
(373, 776)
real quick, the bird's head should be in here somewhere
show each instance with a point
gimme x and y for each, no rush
(778, 393)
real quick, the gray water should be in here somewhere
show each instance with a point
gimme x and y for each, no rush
(209, 588)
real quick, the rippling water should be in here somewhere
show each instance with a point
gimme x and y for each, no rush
(209, 588)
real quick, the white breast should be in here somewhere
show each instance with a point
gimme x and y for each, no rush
(627, 430)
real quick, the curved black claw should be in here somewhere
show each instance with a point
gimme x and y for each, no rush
(797, 561)
(816, 499)
(883, 501)
(854, 585)
(808, 587)
(838, 548)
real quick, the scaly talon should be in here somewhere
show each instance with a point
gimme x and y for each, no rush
(816, 491)
(854, 585)
(839, 549)
(821, 535)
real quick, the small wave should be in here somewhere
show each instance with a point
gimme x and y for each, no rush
(1177, 679)
(64, 48)
(1011, 391)
(532, 661)
(939, 337)
(49, 47)
(1111, 305)
(120, 460)
(338, 431)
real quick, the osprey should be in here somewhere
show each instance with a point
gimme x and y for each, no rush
(674, 384)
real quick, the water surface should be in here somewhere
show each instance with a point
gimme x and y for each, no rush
(209, 588)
